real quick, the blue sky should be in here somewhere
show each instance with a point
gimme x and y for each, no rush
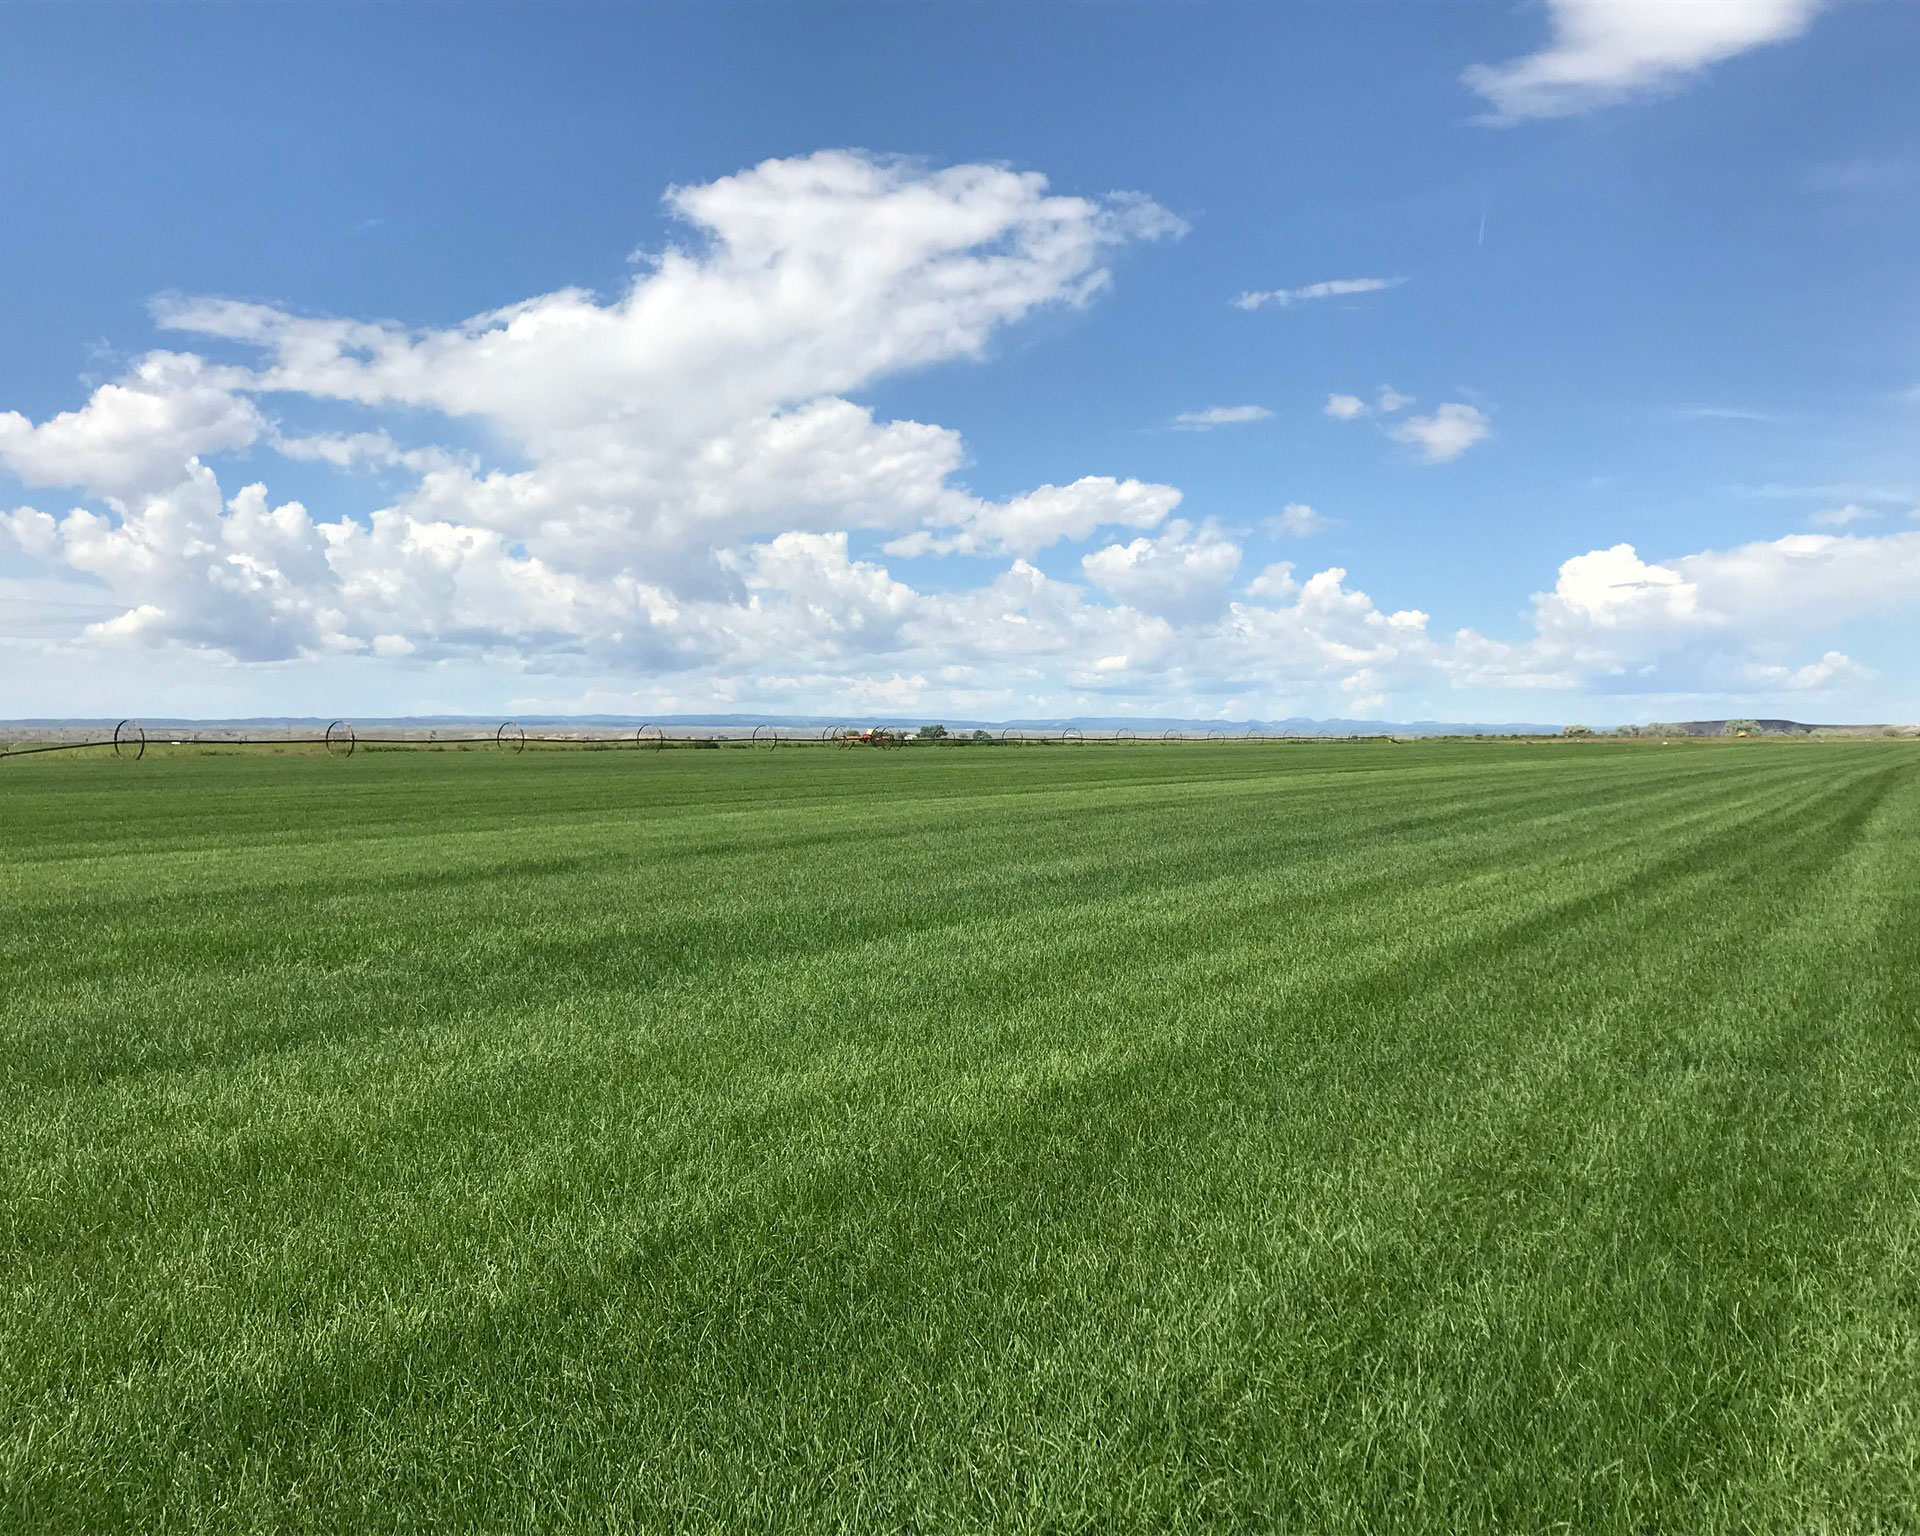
(829, 359)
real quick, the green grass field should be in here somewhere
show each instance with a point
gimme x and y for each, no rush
(1107, 1139)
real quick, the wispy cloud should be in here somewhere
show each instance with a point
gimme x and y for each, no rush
(1334, 288)
(1220, 416)
(1833, 668)
(1721, 413)
(1386, 400)
(1842, 517)
(1298, 520)
(1862, 175)
(1449, 432)
(1839, 490)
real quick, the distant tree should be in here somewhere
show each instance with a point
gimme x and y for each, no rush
(1578, 730)
(933, 733)
(1740, 728)
(983, 738)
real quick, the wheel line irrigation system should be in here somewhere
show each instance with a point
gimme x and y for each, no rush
(129, 739)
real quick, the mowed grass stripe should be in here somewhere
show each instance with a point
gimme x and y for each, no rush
(1013, 960)
(1008, 864)
(1312, 1195)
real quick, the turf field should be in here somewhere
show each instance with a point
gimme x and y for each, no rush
(1110, 1139)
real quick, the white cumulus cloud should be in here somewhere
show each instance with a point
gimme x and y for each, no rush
(679, 498)
(1181, 575)
(1029, 523)
(1606, 50)
(133, 434)
(661, 443)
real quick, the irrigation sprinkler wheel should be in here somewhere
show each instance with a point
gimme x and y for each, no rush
(340, 739)
(129, 740)
(1126, 736)
(1011, 737)
(1172, 735)
(510, 737)
(1071, 736)
(770, 740)
(654, 742)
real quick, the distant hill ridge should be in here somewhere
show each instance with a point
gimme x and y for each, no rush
(1294, 726)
